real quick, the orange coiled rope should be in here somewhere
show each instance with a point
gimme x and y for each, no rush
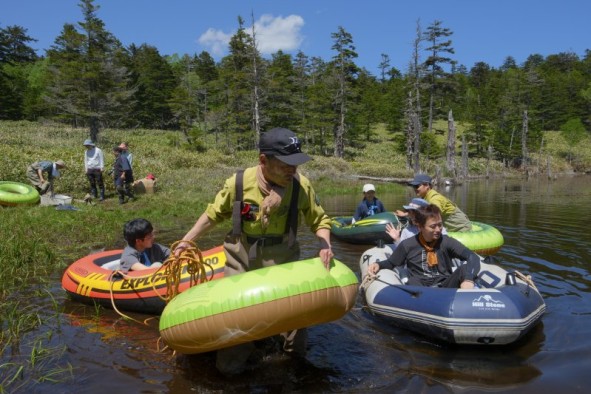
(172, 269)
(197, 268)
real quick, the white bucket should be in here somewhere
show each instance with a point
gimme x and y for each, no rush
(58, 199)
(62, 199)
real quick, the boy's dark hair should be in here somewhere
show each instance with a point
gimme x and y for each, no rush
(136, 229)
(423, 214)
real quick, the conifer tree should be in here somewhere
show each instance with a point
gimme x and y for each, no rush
(16, 58)
(237, 76)
(282, 93)
(154, 82)
(344, 70)
(301, 80)
(89, 83)
(435, 36)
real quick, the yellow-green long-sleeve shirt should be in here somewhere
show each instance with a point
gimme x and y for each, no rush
(454, 219)
(308, 206)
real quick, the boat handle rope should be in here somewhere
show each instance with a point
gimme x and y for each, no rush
(369, 277)
(172, 266)
(528, 281)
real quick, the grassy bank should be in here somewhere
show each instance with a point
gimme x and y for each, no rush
(187, 181)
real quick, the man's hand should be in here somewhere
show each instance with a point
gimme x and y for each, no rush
(326, 256)
(180, 248)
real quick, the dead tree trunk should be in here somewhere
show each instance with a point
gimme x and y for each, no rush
(489, 160)
(524, 132)
(451, 144)
(417, 142)
(464, 158)
(256, 119)
(409, 113)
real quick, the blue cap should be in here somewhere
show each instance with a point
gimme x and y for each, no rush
(416, 203)
(419, 179)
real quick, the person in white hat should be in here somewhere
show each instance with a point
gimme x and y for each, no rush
(370, 205)
(94, 165)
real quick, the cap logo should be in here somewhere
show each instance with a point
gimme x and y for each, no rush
(293, 147)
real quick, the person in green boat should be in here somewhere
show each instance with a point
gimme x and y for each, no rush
(454, 218)
(370, 204)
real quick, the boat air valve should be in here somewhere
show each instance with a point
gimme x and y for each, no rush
(510, 279)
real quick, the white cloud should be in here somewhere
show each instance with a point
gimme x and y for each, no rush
(272, 34)
(216, 40)
(275, 33)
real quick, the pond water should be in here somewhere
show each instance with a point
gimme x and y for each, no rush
(546, 229)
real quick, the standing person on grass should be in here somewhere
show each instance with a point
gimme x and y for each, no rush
(265, 203)
(125, 152)
(94, 165)
(429, 254)
(122, 176)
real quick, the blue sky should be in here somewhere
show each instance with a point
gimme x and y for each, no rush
(484, 30)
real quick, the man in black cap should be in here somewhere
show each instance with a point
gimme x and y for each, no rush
(454, 219)
(264, 203)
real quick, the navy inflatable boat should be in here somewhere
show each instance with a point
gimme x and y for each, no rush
(503, 309)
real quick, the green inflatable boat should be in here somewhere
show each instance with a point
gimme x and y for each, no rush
(368, 231)
(483, 239)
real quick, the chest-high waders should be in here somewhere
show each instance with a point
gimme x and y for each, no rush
(291, 228)
(233, 359)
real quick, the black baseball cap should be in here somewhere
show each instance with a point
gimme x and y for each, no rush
(284, 145)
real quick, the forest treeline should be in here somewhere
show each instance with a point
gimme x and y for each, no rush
(87, 78)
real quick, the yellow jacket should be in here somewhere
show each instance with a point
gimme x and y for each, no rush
(308, 206)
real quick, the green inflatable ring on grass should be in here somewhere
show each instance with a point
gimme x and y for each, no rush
(483, 239)
(15, 193)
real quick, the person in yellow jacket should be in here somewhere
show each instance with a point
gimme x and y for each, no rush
(454, 219)
(264, 233)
